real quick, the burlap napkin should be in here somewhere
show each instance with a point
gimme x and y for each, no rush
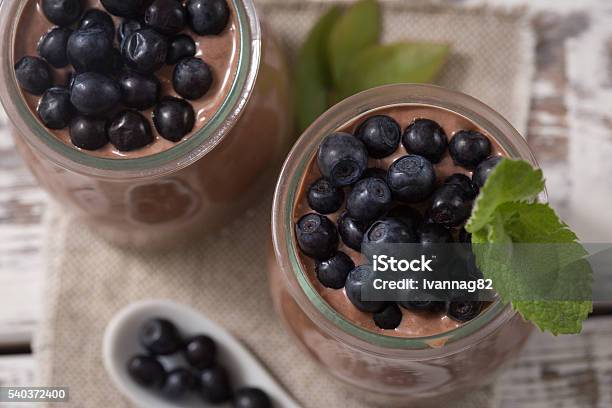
(223, 275)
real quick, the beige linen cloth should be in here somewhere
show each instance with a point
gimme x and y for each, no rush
(224, 274)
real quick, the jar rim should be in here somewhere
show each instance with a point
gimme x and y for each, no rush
(169, 161)
(286, 252)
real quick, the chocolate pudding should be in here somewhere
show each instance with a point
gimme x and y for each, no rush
(413, 323)
(220, 52)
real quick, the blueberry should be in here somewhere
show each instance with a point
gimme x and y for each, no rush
(249, 397)
(159, 336)
(411, 178)
(129, 130)
(463, 311)
(369, 199)
(449, 206)
(408, 215)
(215, 386)
(55, 109)
(316, 236)
(464, 183)
(145, 50)
(127, 28)
(179, 47)
(146, 371)
(381, 135)
(360, 277)
(70, 80)
(62, 12)
(139, 91)
(332, 273)
(434, 234)
(435, 242)
(90, 50)
(94, 18)
(351, 231)
(375, 172)
(95, 94)
(88, 133)
(117, 65)
(200, 351)
(423, 305)
(34, 75)
(469, 148)
(481, 174)
(389, 318)
(178, 383)
(324, 197)
(192, 78)
(464, 236)
(389, 231)
(166, 16)
(52, 46)
(125, 8)
(173, 118)
(425, 138)
(208, 17)
(342, 158)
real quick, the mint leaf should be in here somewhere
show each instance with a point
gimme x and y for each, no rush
(357, 29)
(532, 257)
(313, 76)
(511, 180)
(392, 63)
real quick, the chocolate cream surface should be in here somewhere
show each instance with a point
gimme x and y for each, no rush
(220, 52)
(414, 323)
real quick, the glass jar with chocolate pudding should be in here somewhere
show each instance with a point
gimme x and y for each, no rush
(146, 147)
(394, 351)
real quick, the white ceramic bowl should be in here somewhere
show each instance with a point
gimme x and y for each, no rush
(121, 343)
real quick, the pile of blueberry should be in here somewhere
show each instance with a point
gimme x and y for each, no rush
(379, 205)
(160, 338)
(105, 77)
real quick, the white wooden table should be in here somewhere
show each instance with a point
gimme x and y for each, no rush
(570, 129)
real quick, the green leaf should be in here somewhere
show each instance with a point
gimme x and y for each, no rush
(357, 29)
(313, 77)
(392, 63)
(511, 180)
(530, 254)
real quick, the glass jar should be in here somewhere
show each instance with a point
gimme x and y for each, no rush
(192, 187)
(390, 368)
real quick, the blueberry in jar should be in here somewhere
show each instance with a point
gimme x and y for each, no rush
(55, 109)
(369, 199)
(389, 318)
(411, 178)
(62, 12)
(192, 78)
(358, 278)
(125, 8)
(94, 94)
(146, 371)
(34, 75)
(95, 18)
(207, 17)
(139, 91)
(481, 174)
(425, 138)
(324, 197)
(469, 148)
(88, 133)
(464, 183)
(179, 47)
(342, 159)
(129, 130)
(90, 50)
(145, 50)
(449, 206)
(52, 46)
(316, 236)
(332, 272)
(166, 16)
(380, 134)
(173, 118)
(351, 231)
